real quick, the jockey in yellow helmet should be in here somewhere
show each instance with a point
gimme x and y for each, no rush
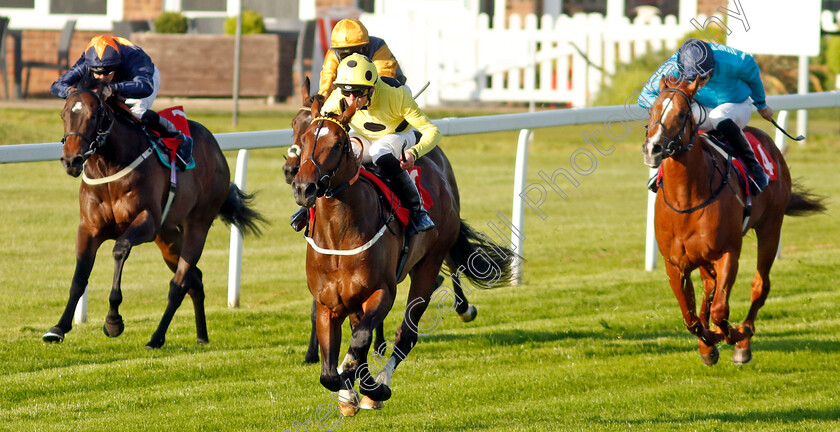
(381, 123)
(129, 72)
(350, 36)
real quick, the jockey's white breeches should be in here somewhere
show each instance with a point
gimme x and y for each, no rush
(139, 106)
(393, 144)
(708, 119)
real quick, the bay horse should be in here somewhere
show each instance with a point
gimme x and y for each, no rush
(699, 214)
(354, 253)
(123, 198)
(466, 311)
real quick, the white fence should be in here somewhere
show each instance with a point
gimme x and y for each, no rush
(525, 122)
(526, 59)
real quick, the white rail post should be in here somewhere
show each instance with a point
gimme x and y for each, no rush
(518, 213)
(235, 267)
(80, 317)
(781, 143)
(650, 234)
(802, 114)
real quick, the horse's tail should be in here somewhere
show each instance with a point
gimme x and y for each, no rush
(804, 203)
(237, 210)
(482, 261)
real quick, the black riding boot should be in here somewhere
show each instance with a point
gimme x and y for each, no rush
(167, 130)
(736, 138)
(407, 192)
(298, 220)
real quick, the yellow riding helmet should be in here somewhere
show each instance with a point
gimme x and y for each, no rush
(355, 72)
(349, 33)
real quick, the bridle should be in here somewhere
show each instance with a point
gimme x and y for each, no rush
(324, 181)
(101, 133)
(675, 144)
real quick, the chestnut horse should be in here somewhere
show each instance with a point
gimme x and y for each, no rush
(354, 253)
(699, 213)
(123, 198)
(301, 121)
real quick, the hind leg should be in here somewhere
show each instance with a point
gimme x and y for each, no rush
(768, 243)
(187, 277)
(312, 351)
(466, 312)
(169, 243)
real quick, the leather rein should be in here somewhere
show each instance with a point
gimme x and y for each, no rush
(676, 146)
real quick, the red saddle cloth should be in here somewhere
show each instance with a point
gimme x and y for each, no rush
(178, 117)
(402, 213)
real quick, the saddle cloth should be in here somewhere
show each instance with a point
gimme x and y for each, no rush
(390, 197)
(178, 117)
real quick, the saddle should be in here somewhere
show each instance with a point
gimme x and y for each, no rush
(165, 148)
(387, 196)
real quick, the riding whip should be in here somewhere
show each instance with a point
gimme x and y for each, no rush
(799, 138)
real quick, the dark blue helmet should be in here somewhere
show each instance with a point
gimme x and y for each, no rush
(102, 54)
(695, 59)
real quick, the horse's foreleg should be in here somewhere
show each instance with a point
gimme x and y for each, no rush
(86, 247)
(727, 269)
(768, 235)
(141, 230)
(683, 288)
(376, 308)
(187, 279)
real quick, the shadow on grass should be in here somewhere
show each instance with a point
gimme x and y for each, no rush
(787, 417)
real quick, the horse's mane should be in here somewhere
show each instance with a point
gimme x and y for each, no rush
(88, 82)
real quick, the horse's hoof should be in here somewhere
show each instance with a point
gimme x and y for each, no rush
(311, 358)
(348, 402)
(53, 335)
(380, 393)
(155, 343)
(370, 404)
(741, 356)
(712, 357)
(113, 328)
(202, 341)
(469, 315)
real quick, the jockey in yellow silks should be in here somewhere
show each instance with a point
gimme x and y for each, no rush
(350, 36)
(382, 124)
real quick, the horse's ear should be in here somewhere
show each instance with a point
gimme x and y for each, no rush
(304, 89)
(662, 84)
(316, 108)
(345, 117)
(692, 87)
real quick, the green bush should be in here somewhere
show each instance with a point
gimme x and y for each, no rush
(252, 23)
(171, 22)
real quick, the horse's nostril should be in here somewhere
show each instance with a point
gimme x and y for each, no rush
(310, 189)
(657, 148)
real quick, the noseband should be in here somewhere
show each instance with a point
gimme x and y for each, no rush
(676, 145)
(324, 182)
(101, 114)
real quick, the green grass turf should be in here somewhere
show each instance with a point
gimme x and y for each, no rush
(589, 341)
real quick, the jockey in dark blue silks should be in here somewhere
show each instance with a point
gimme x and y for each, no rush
(730, 83)
(130, 73)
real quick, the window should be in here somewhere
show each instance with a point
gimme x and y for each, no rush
(29, 4)
(95, 7)
(204, 5)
